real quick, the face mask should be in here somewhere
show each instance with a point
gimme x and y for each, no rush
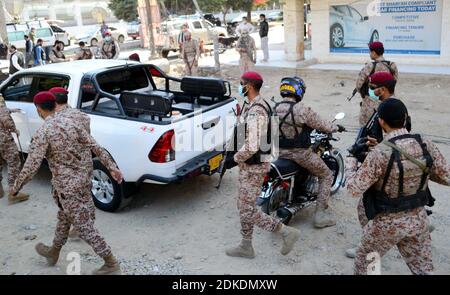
(108, 39)
(373, 96)
(241, 91)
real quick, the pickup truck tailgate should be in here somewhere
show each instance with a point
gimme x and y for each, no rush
(203, 131)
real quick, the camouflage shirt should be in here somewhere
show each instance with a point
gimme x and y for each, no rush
(63, 143)
(379, 67)
(77, 116)
(374, 168)
(6, 122)
(303, 115)
(257, 124)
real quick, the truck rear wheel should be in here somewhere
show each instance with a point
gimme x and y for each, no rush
(108, 195)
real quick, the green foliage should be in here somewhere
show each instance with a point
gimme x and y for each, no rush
(124, 9)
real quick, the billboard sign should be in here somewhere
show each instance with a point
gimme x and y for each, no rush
(405, 27)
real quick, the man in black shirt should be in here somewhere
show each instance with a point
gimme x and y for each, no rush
(263, 33)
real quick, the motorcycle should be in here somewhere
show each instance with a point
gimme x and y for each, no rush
(289, 188)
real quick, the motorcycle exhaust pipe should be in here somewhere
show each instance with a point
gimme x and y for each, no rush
(287, 212)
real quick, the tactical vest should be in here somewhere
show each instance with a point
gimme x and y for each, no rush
(302, 139)
(113, 49)
(20, 61)
(256, 158)
(376, 202)
(365, 87)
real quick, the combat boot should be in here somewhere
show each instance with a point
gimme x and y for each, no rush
(111, 266)
(20, 197)
(323, 218)
(2, 192)
(289, 235)
(50, 253)
(244, 250)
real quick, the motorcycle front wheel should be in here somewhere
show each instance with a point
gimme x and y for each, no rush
(335, 162)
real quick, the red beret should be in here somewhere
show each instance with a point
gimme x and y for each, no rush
(58, 90)
(107, 34)
(375, 45)
(381, 78)
(43, 97)
(252, 76)
(135, 57)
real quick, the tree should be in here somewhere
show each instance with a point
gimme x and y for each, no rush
(124, 9)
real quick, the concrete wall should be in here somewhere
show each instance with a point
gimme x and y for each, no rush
(321, 43)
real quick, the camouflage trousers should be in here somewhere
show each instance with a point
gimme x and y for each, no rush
(9, 154)
(78, 210)
(251, 179)
(368, 106)
(245, 63)
(191, 67)
(317, 167)
(408, 231)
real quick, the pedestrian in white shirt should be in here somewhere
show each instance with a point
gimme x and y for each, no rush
(16, 60)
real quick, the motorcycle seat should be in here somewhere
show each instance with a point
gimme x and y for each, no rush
(285, 167)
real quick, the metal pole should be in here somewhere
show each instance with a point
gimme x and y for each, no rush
(150, 26)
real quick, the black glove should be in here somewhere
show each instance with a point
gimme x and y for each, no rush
(341, 128)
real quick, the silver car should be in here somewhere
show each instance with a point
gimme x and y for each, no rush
(348, 28)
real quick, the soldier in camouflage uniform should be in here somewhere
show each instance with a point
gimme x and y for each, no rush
(247, 50)
(63, 109)
(190, 53)
(65, 144)
(9, 153)
(296, 122)
(378, 64)
(253, 166)
(400, 168)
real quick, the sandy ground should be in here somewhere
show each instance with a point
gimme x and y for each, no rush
(184, 229)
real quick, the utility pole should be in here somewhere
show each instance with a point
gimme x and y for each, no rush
(3, 32)
(150, 28)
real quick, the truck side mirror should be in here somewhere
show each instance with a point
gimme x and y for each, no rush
(366, 18)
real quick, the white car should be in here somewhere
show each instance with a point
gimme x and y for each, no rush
(238, 19)
(16, 32)
(92, 38)
(153, 133)
(167, 39)
(348, 28)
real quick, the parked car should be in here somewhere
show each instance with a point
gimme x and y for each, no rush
(238, 19)
(93, 37)
(169, 30)
(275, 16)
(133, 29)
(136, 115)
(348, 28)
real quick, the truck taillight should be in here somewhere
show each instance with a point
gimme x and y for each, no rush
(164, 151)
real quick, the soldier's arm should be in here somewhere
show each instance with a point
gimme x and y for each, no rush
(363, 76)
(313, 119)
(360, 180)
(395, 70)
(38, 150)
(255, 124)
(197, 49)
(440, 171)
(5, 118)
(86, 139)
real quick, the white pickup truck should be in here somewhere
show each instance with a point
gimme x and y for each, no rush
(157, 128)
